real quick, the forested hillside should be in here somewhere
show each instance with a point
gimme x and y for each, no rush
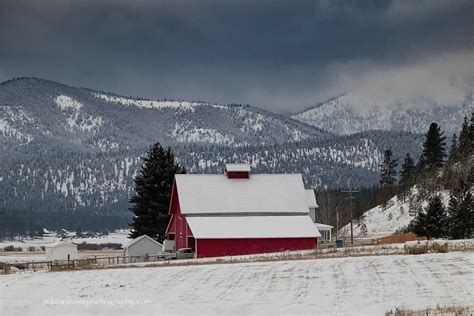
(433, 194)
(68, 150)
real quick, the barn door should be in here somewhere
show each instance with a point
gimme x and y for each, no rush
(180, 225)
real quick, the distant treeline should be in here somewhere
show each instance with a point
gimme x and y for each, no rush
(23, 222)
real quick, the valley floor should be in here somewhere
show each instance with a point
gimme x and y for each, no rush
(350, 285)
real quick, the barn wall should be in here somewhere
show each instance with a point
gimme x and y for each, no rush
(178, 224)
(235, 247)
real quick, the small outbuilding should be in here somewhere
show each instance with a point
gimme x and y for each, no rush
(63, 250)
(142, 246)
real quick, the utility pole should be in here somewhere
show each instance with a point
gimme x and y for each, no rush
(350, 197)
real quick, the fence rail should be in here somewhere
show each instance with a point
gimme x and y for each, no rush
(83, 263)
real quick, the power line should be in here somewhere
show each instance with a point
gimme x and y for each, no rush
(350, 197)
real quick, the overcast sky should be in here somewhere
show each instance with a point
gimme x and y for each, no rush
(279, 55)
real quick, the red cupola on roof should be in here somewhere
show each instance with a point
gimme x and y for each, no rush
(237, 171)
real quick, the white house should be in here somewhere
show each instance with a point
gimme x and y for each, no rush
(324, 229)
(312, 204)
(142, 246)
(63, 250)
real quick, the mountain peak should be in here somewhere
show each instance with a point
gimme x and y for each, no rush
(352, 113)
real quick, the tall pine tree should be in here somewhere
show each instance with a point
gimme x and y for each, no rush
(454, 151)
(466, 138)
(153, 186)
(388, 172)
(460, 212)
(407, 174)
(388, 178)
(436, 218)
(419, 224)
(434, 150)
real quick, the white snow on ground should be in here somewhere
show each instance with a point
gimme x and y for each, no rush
(342, 286)
(7, 130)
(185, 133)
(76, 119)
(64, 102)
(84, 123)
(148, 104)
(381, 222)
(119, 237)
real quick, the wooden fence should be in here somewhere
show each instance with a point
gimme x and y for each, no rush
(78, 264)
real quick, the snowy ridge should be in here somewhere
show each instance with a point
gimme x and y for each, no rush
(352, 113)
(378, 221)
(149, 104)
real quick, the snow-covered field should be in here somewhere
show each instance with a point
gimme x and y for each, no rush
(118, 237)
(340, 286)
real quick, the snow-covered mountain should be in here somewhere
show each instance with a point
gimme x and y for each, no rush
(353, 113)
(71, 149)
(34, 110)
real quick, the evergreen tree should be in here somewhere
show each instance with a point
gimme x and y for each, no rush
(419, 224)
(463, 137)
(460, 213)
(436, 218)
(455, 220)
(471, 132)
(454, 152)
(469, 204)
(466, 138)
(388, 170)
(407, 174)
(434, 150)
(465, 215)
(153, 186)
(388, 178)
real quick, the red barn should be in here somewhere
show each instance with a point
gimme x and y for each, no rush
(240, 213)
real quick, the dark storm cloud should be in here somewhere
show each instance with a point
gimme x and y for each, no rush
(281, 55)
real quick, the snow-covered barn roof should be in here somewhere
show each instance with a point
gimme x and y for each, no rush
(311, 198)
(216, 227)
(134, 241)
(261, 193)
(237, 167)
